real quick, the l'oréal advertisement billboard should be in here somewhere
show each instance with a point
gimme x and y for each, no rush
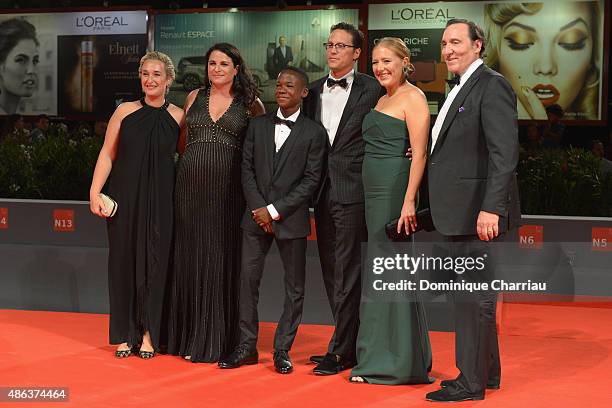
(551, 51)
(70, 64)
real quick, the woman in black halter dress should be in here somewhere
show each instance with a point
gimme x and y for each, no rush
(139, 148)
(209, 203)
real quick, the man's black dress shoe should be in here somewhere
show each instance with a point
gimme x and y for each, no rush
(452, 394)
(316, 359)
(491, 385)
(282, 362)
(241, 356)
(332, 364)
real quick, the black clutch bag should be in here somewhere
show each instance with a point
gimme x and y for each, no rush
(424, 222)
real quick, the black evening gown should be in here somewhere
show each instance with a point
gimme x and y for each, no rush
(203, 321)
(140, 233)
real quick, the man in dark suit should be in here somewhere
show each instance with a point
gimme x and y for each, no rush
(281, 169)
(283, 55)
(340, 101)
(473, 196)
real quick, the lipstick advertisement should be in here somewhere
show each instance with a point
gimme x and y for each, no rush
(550, 52)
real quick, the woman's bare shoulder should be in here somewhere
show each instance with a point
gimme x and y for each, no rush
(413, 92)
(126, 108)
(177, 113)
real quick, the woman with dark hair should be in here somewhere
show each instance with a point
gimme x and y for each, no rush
(209, 203)
(18, 61)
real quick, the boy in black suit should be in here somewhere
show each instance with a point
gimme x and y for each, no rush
(281, 169)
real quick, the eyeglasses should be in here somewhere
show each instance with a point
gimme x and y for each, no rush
(338, 46)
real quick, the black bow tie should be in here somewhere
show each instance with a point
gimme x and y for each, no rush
(341, 82)
(454, 81)
(279, 121)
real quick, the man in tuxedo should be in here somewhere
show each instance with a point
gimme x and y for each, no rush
(473, 197)
(281, 169)
(283, 56)
(340, 101)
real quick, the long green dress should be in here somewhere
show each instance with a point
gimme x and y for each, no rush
(393, 344)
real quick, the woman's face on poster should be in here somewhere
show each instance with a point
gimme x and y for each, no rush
(18, 72)
(549, 52)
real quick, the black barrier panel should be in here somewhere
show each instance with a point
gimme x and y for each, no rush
(49, 263)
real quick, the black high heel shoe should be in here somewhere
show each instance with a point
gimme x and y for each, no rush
(124, 353)
(145, 355)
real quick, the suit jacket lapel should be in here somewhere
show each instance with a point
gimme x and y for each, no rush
(269, 145)
(313, 109)
(289, 143)
(457, 103)
(356, 90)
(313, 106)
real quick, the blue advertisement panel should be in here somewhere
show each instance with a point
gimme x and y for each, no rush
(258, 36)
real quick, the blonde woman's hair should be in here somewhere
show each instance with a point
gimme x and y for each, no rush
(399, 48)
(498, 14)
(161, 57)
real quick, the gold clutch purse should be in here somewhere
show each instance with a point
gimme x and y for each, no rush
(110, 205)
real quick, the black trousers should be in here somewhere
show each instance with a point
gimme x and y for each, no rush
(293, 255)
(341, 229)
(476, 345)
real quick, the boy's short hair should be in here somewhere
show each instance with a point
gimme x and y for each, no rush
(300, 73)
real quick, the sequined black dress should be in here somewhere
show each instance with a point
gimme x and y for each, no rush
(209, 204)
(140, 233)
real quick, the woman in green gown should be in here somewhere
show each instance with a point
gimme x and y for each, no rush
(393, 343)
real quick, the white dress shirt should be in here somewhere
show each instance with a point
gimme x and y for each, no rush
(435, 131)
(281, 133)
(333, 101)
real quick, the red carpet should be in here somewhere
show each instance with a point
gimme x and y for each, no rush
(552, 356)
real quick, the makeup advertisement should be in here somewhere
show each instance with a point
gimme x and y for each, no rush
(97, 73)
(551, 52)
(70, 64)
(259, 37)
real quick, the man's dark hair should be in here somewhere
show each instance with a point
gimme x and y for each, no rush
(474, 29)
(351, 29)
(42, 116)
(300, 73)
